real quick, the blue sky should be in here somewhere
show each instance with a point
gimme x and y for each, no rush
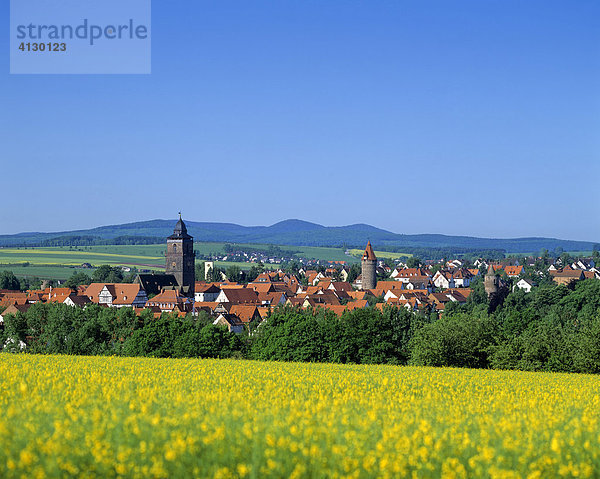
(462, 117)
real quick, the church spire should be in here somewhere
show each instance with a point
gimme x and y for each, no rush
(180, 230)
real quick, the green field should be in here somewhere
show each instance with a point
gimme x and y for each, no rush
(61, 262)
(44, 271)
(574, 254)
(381, 254)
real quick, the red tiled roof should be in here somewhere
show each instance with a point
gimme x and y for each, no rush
(262, 287)
(357, 294)
(513, 270)
(16, 308)
(245, 295)
(387, 285)
(202, 287)
(342, 286)
(125, 293)
(93, 290)
(208, 306)
(568, 273)
(246, 313)
(409, 272)
(369, 254)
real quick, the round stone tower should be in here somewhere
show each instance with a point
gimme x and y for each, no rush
(369, 268)
(490, 282)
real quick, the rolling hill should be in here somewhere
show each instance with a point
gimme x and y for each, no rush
(300, 233)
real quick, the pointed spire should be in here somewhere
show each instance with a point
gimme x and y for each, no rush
(490, 271)
(369, 254)
(180, 230)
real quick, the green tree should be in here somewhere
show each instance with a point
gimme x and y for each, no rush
(233, 273)
(586, 353)
(199, 270)
(15, 332)
(156, 338)
(76, 279)
(354, 272)
(462, 340)
(107, 274)
(9, 281)
(255, 270)
(413, 262)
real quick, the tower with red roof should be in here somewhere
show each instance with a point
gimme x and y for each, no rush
(369, 268)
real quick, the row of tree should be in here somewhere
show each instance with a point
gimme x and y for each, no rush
(88, 240)
(95, 330)
(553, 328)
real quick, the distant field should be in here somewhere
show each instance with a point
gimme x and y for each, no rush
(44, 271)
(314, 252)
(381, 254)
(537, 253)
(61, 262)
(65, 256)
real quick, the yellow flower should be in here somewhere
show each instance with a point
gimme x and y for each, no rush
(86, 416)
(242, 470)
(26, 458)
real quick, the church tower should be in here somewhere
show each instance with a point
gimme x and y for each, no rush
(181, 258)
(369, 268)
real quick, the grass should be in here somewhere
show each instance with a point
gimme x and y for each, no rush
(381, 254)
(42, 271)
(67, 416)
(60, 262)
(575, 254)
(67, 257)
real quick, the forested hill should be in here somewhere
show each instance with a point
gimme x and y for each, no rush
(290, 232)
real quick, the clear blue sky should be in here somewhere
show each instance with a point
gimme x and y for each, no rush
(464, 117)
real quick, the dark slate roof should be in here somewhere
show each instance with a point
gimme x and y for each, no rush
(155, 283)
(80, 301)
(180, 231)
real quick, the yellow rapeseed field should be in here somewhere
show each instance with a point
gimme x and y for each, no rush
(133, 417)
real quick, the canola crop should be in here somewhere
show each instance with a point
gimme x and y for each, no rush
(66, 416)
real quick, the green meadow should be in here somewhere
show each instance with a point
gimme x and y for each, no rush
(61, 262)
(381, 254)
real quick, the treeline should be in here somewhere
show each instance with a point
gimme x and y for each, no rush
(436, 254)
(74, 240)
(96, 330)
(553, 328)
(361, 336)
(102, 274)
(271, 250)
